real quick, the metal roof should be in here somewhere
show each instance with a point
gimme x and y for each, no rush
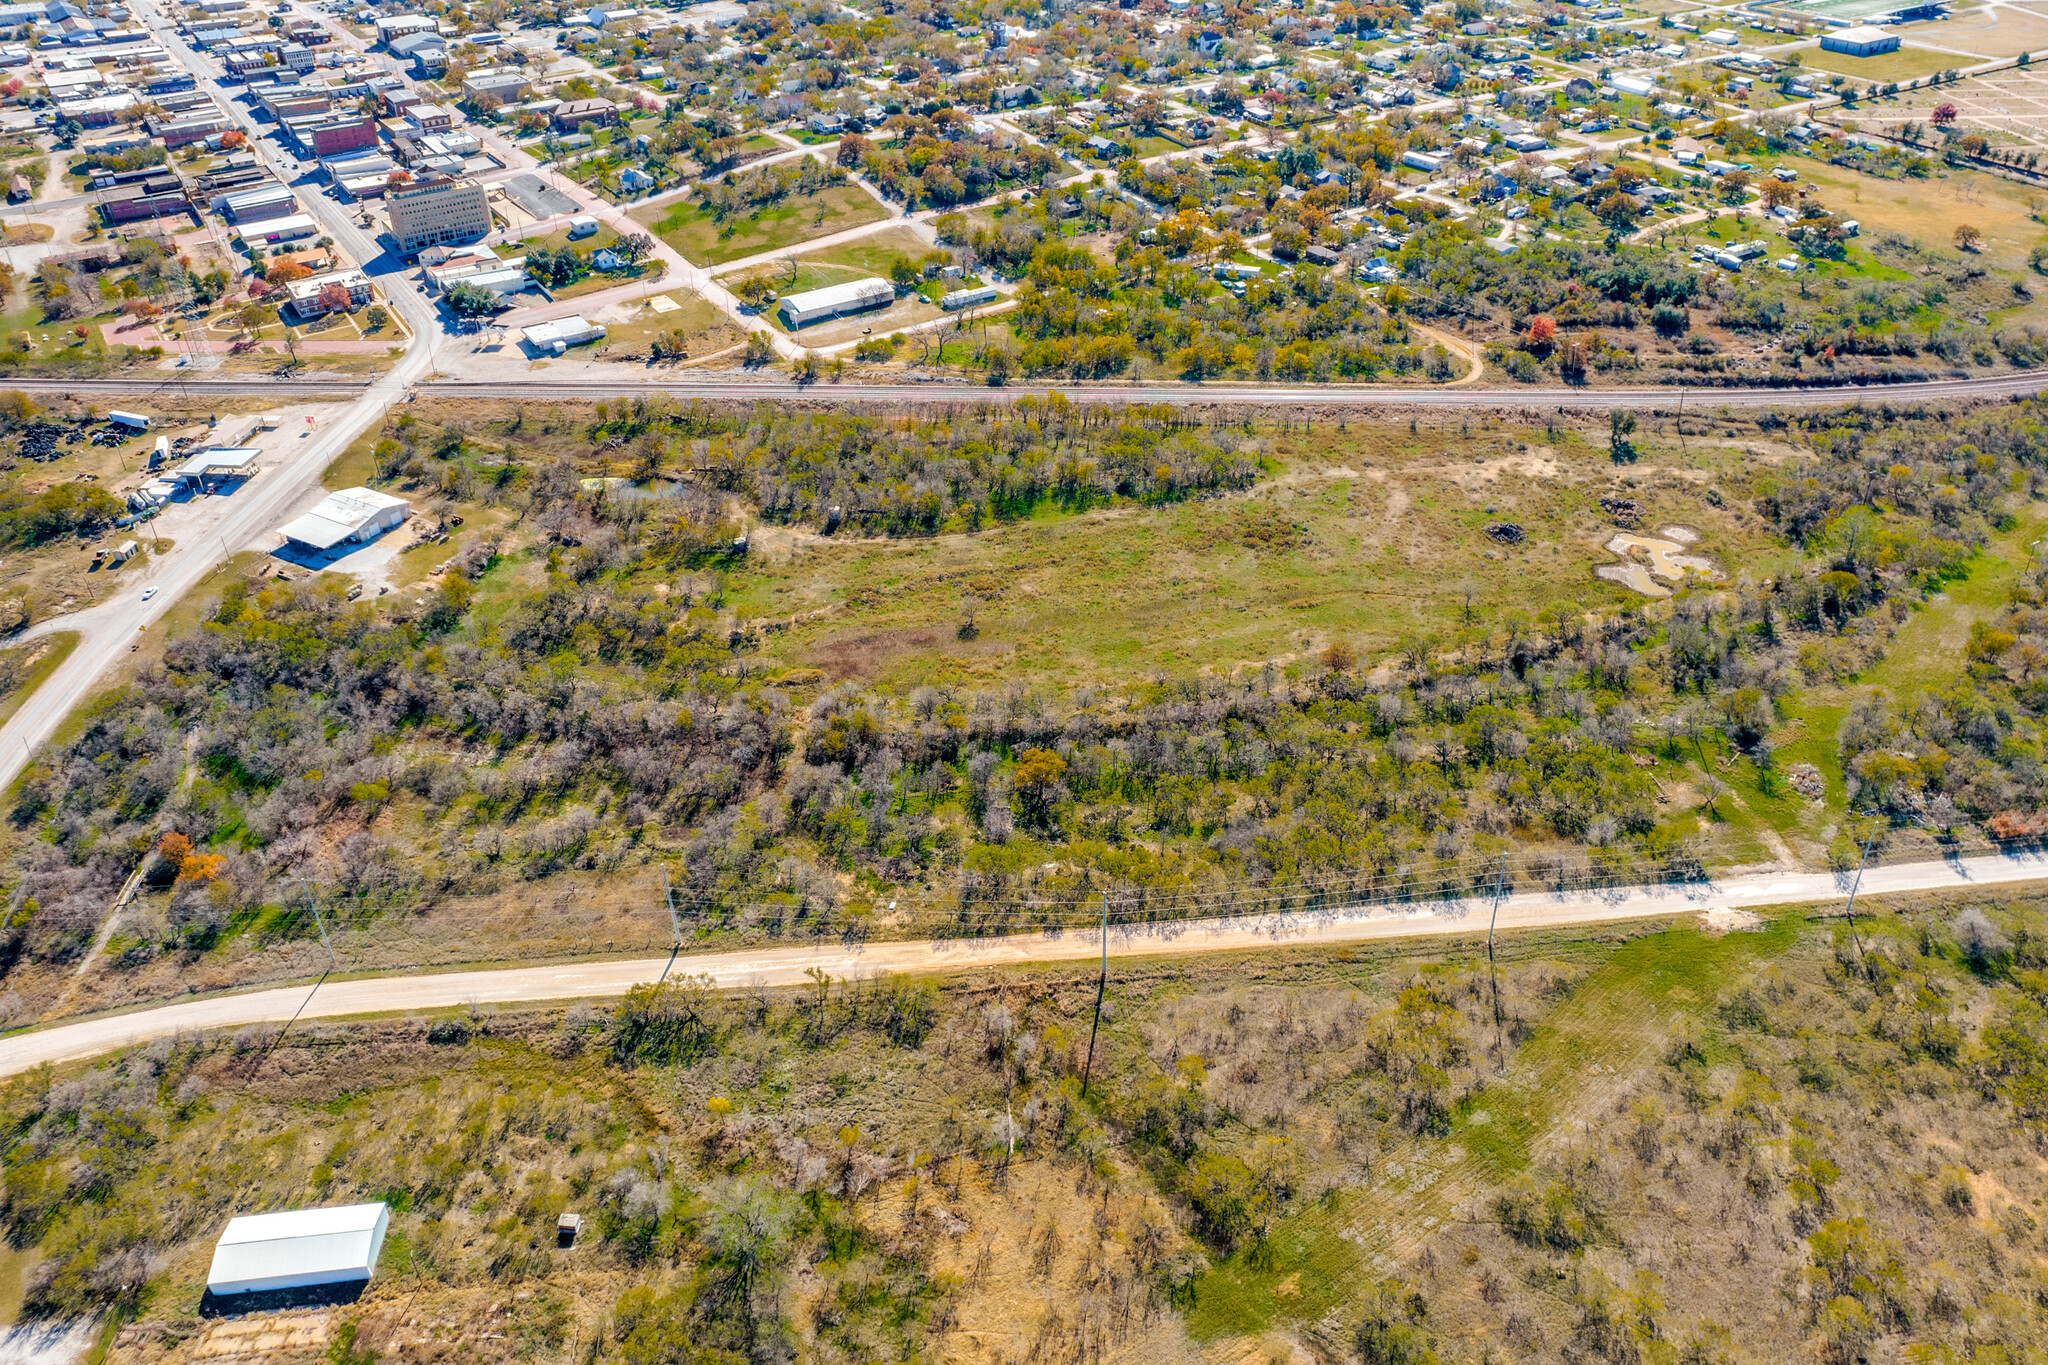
(854, 293)
(298, 1248)
(236, 459)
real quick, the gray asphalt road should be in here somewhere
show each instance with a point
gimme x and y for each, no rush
(787, 966)
(108, 629)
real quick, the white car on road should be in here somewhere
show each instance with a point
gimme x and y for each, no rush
(148, 593)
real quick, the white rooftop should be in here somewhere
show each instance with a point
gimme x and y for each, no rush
(298, 1248)
(339, 516)
(231, 459)
(571, 328)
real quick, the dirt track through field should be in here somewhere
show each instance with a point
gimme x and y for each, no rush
(787, 966)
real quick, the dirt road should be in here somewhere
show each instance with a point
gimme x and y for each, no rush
(786, 966)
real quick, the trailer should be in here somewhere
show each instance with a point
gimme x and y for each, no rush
(138, 421)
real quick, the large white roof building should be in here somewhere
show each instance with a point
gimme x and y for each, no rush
(353, 514)
(835, 300)
(298, 1249)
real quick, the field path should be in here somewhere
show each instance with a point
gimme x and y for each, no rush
(787, 966)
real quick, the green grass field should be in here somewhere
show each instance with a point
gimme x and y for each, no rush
(687, 227)
(1902, 65)
(1367, 534)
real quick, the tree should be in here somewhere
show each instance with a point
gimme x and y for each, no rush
(1944, 114)
(1542, 330)
(754, 289)
(333, 298)
(807, 368)
(1391, 1332)
(1038, 774)
(760, 350)
(1966, 237)
(1618, 211)
(285, 272)
(1621, 423)
(854, 151)
(1777, 194)
(904, 273)
(634, 247)
(468, 301)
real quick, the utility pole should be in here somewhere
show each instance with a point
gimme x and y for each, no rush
(676, 945)
(1101, 983)
(1854, 887)
(1500, 887)
(319, 923)
(332, 963)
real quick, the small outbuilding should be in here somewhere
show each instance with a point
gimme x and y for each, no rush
(298, 1249)
(556, 337)
(353, 515)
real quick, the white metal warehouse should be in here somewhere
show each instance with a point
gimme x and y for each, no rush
(1867, 41)
(835, 300)
(556, 337)
(298, 1249)
(353, 514)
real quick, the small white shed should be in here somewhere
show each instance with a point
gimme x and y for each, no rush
(298, 1249)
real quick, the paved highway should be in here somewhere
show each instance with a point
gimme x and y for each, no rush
(787, 966)
(259, 506)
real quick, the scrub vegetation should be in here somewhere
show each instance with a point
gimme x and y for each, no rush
(826, 676)
(590, 698)
(1804, 1142)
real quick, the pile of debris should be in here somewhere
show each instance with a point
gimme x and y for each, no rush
(1506, 532)
(1625, 511)
(39, 439)
(1806, 779)
(111, 435)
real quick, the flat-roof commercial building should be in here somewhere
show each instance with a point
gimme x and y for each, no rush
(436, 211)
(835, 300)
(573, 114)
(289, 228)
(1860, 42)
(351, 516)
(538, 199)
(398, 25)
(306, 303)
(154, 198)
(298, 1249)
(553, 338)
(254, 205)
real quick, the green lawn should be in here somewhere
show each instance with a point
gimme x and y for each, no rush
(1903, 65)
(687, 227)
